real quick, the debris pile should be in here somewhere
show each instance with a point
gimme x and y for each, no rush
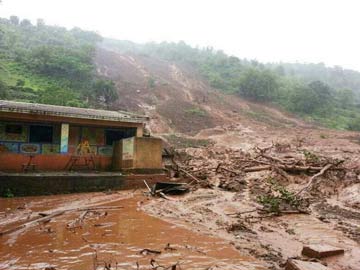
(227, 168)
(266, 185)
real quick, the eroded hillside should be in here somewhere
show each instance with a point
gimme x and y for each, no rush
(177, 98)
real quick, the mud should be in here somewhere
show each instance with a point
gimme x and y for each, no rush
(272, 239)
(115, 238)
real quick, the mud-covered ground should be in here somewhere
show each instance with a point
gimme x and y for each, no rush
(108, 238)
(333, 216)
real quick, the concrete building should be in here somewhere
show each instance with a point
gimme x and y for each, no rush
(56, 138)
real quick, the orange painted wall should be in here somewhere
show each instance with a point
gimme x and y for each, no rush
(11, 162)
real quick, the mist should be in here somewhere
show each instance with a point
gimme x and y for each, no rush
(269, 31)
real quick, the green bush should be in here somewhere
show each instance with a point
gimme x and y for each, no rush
(196, 111)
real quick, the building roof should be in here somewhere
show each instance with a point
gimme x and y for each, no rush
(73, 112)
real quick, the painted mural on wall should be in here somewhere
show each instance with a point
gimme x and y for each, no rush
(30, 148)
(48, 149)
(14, 138)
(95, 136)
(64, 138)
(9, 147)
(85, 149)
(105, 150)
(13, 132)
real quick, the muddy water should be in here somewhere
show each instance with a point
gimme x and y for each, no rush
(115, 237)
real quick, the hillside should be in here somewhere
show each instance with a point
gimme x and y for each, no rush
(183, 89)
(328, 96)
(41, 62)
(176, 97)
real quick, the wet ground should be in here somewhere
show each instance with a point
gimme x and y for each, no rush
(273, 240)
(114, 237)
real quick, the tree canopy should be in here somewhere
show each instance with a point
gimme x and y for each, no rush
(55, 65)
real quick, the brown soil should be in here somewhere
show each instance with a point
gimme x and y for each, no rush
(176, 97)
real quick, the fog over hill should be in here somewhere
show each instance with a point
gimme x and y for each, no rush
(174, 82)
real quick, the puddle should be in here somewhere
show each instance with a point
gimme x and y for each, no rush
(125, 232)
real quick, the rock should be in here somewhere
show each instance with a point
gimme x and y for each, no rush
(321, 251)
(303, 265)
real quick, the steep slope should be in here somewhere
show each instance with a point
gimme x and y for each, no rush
(177, 98)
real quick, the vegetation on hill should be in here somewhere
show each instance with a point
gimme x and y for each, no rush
(312, 91)
(49, 64)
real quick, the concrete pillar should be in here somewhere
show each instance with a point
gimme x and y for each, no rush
(64, 139)
(139, 131)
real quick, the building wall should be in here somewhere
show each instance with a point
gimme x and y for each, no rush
(15, 149)
(138, 153)
(19, 143)
(148, 153)
(12, 162)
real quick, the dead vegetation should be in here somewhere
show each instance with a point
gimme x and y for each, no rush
(280, 162)
(282, 179)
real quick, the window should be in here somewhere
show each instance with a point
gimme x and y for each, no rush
(41, 134)
(113, 135)
(13, 129)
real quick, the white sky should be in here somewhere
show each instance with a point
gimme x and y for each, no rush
(267, 30)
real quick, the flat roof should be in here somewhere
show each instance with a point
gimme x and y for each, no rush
(72, 112)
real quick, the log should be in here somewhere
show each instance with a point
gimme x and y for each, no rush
(146, 251)
(228, 170)
(287, 168)
(312, 178)
(77, 222)
(47, 217)
(94, 208)
(147, 186)
(33, 222)
(244, 212)
(273, 159)
(166, 197)
(190, 175)
(257, 168)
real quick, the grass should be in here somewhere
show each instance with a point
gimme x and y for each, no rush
(196, 112)
(11, 73)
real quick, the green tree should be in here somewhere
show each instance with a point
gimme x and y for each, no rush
(25, 23)
(345, 97)
(354, 124)
(105, 91)
(314, 97)
(14, 20)
(259, 85)
(322, 90)
(3, 90)
(58, 96)
(304, 99)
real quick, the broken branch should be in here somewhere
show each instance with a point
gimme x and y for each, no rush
(312, 178)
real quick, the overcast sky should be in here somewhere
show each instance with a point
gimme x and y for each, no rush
(267, 30)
